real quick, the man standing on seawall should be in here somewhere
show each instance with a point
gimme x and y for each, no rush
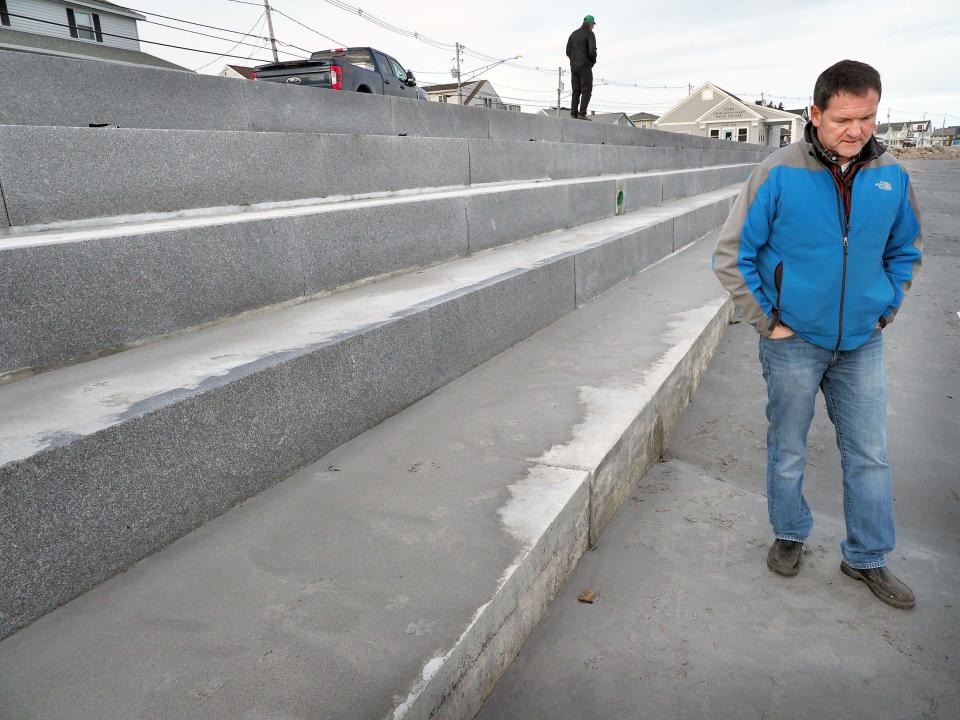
(818, 251)
(582, 51)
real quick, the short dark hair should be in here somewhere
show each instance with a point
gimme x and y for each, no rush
(847, 76)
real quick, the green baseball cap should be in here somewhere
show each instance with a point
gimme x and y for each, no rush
(589, 19)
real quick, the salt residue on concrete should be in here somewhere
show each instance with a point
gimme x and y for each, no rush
(536, 501)
(610, 410)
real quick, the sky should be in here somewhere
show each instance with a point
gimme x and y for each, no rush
(648, 56)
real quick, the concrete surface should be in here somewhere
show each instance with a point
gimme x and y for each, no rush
(398, 575)
(69, 294)
(137, 97)
(118, 456)
(690, 623)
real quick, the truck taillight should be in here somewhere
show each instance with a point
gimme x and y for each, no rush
(336, 77)
(253, 75)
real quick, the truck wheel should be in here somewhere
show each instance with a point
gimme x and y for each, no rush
(363, 89)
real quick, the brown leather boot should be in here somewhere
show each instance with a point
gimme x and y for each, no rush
(784, 557)
(884, 584)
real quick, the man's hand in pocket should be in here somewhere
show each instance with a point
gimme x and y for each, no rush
(780, 332)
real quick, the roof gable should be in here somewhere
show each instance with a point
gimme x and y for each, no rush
(729, 109)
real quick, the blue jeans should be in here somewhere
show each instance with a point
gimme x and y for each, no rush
(853, 386)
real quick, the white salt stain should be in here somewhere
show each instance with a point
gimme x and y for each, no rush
(609, 410)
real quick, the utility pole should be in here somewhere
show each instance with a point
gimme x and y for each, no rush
(459, 85)
(689, 88)
(559, 87)
(273, 40)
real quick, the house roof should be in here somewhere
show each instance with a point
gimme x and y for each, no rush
(949, 131)
(107, 6)
(611, 118)
(247, 72)
(65, 47)
(640, 116)
(450, 86)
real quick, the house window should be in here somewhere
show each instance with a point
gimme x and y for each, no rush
(741, 134)
(715, 133)
(706, 94)
(443, 98)
(488, 102)
(84, 25)
(4, 18)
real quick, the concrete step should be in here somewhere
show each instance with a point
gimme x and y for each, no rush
(104, 462)
(398, 575)
(52, 175)
(73, 293)
(136, 97)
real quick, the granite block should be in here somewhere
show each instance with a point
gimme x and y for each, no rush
(506, 125)
(683, 184)
(575, 160)
(498, 218)
(65, 301)
(697, 223)
(497, 160)
(641, 192)
(578, 131)
(432, 119)
(90, 91)
(84, 510)
(58, 174)
(276, 107)
(343, 247)
(369, 163)
(600, 268)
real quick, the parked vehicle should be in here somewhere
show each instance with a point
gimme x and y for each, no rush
(909, 142)
(360, 69)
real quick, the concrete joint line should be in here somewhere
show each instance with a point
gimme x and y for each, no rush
(3, 201)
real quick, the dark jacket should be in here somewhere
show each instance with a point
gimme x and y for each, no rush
(827, 253)
(582, 47)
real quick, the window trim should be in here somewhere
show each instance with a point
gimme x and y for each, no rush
(4, 13)
(94, 27)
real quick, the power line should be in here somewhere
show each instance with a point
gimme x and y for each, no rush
(258, 23)
(137, 39)
(327, 37)
(216, 37)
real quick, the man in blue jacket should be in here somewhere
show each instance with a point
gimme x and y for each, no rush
(818, 251)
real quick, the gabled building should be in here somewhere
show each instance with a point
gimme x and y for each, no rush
(237, 71)
(613, 118)
(476, 93)
(644, 119)
(711, 111)
(947, 135)
(912, 133)
(93, 30)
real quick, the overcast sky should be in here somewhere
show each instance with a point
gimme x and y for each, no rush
(745, 47)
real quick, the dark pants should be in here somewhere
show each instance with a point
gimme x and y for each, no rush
(581, 80)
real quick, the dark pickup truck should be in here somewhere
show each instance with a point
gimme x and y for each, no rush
(360, 69)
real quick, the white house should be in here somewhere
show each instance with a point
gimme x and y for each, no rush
(476, 93)
(711, 111)
(93, 29)
(916, 133)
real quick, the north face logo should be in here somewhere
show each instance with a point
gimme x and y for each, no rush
(884, 185)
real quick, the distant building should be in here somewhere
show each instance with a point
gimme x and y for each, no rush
(644, 119)
(711, 111)
(912, 133)
(613, 118)
(237, 71)
(476, 93)
(89, 30)
(947, 135)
